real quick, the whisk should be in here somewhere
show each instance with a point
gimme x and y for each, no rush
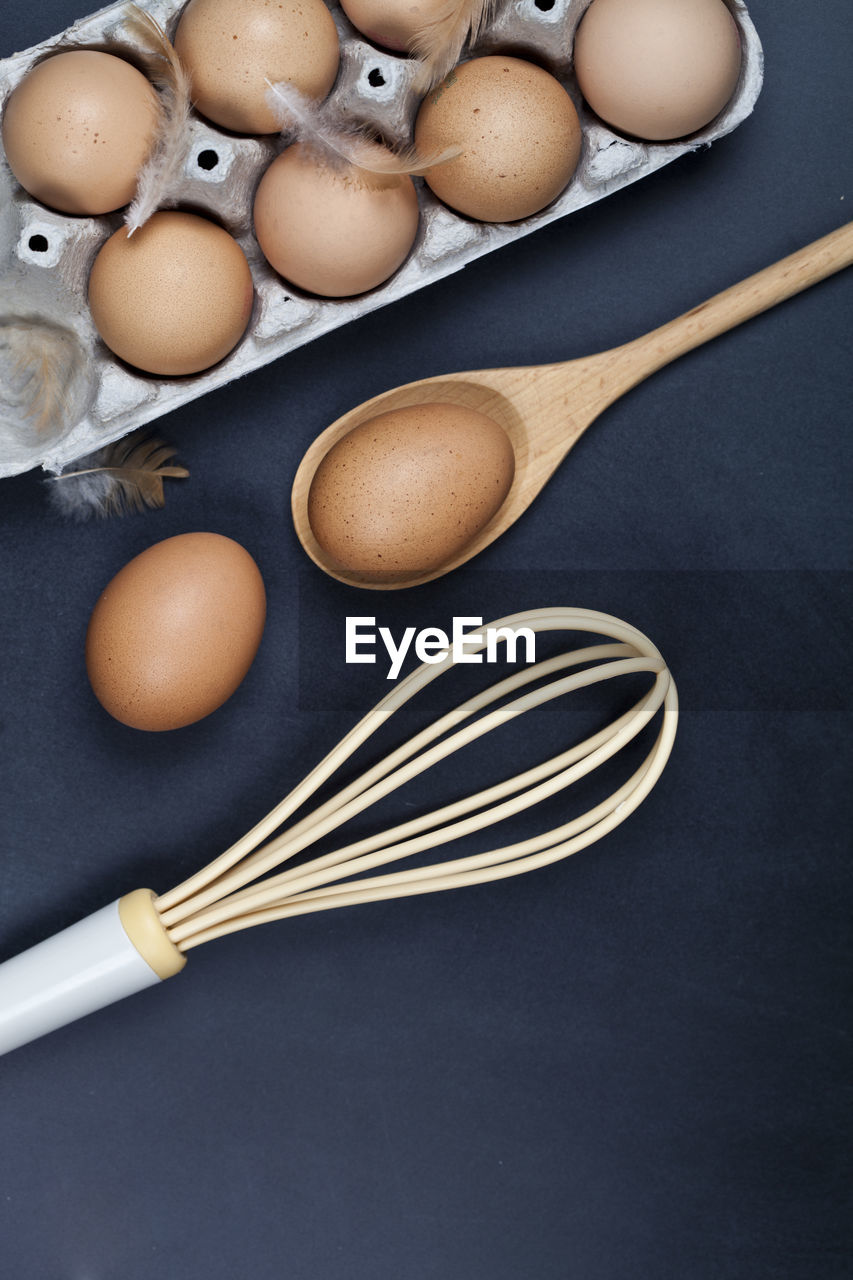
(142, 938)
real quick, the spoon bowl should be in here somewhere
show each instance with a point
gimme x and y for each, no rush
(458, 389)
(544, 409)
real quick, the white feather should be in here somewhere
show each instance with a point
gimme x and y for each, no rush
(336, 141)
(439, 43)
(89, 495)
(162, 170)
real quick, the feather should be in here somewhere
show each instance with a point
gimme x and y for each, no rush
(125, 476)
(339, 143)
(439, 43)
(41, 364)
(162, 169)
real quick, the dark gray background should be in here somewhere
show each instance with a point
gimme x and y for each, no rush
(631, 1066)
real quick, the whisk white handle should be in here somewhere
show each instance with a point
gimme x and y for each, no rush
(113, 953)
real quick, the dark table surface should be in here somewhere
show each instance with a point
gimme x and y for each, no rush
(631, 1065)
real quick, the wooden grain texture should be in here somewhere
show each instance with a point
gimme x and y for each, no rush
(546, 408)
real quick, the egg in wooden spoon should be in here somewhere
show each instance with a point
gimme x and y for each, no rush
(541, 411)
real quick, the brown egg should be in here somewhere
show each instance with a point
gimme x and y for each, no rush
(392, 23)
(335, 232)
(173, 298)
(77, 130)
(519, 134)
(407, 490)
(175, 631)
(657, 69)
(231, 48)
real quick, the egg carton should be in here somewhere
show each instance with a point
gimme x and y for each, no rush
(45, 257)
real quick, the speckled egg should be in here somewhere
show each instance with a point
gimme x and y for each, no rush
(519, 135)
(175, 631)
(77, 130)
(173, 298)
(231, 48)
(408, 490)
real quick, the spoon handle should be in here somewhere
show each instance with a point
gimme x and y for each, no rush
(636, 360)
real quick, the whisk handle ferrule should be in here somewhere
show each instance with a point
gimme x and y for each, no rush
(121, 949)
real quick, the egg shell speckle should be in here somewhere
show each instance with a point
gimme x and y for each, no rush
(519, 133)
(77, 130)
(657, 69)
(232, 47)
(175, 631)
(173, 298)
(333, 232)
(408, 490)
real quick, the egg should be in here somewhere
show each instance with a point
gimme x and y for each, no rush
(657, 69)
(173, 298)
(407, 490)
(392, 23)
(519, 136)
(231, 48)
(335, 232)
(175, 631)
(78, 128)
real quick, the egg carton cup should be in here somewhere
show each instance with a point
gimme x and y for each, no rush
(46, 257)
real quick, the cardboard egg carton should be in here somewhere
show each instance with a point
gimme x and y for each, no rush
(45, 257)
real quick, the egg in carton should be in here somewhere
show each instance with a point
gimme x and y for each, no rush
(46, 257)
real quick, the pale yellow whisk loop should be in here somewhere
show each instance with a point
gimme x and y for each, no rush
(237, 890)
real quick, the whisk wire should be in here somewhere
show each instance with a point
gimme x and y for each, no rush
(174, 905)
(339, 809)
(497, 864)
(230, 894)
(431, 822)
(300, 879)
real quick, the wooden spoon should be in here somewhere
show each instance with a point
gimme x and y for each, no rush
(546, 408)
